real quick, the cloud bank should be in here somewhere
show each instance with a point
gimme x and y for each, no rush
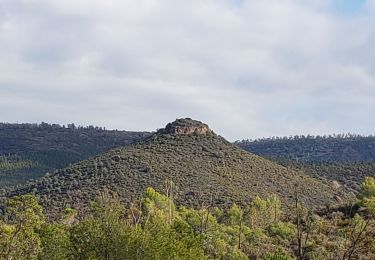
(247, 68)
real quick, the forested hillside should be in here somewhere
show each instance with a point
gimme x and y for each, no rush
(30, 150)
(181, 193)
(347, 175)
(344, 159)
(202, 164)
(337, 148)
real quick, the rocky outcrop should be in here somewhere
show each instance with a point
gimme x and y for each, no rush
(186, 126)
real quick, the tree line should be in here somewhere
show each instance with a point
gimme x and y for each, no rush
(44, 125)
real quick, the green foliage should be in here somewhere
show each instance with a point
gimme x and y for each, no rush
(263, 212)
(332, 148)
(111, 234)
(102, 234)
(155, 228)
(55, 242)
(207, 169)
(235, 215)
(278, 255)
(369, 203)
(156, 204)
(9, 163)
(24, 211)
(367, 188)
(282, 230)
(367, 194)
(18, 236)
(342, 159)
(341, 176)
(28, 151)
(228, 205)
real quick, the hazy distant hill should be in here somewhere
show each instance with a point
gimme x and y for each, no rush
(200, 163)
(30, 150)
(337, 148)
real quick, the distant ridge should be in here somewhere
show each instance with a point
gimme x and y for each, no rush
(333, 148)
(201, 164)
(30, 150)
(344, 158)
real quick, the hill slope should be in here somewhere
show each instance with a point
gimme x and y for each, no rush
(346, 159)
(30, 150)
(338, 148)
(348, 175)
(199, 162)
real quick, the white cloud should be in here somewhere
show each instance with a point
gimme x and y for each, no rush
(248, 68)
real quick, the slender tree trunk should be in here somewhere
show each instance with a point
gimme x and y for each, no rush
(299, 231)
(239, 234)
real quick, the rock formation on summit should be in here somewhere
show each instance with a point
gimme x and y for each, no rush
(186, 126)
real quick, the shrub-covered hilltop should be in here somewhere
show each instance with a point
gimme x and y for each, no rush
(30, 150)
(203, 165)
(156, 228)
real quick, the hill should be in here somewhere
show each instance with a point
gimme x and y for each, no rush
(202, 165)
(30, 150)
(338, 148)
(348, 175)
(344, 159)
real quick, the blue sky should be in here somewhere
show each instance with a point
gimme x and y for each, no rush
(248, 68)
(346, 7)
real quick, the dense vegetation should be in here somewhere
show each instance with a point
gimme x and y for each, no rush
(219, 202)
(30, 150)
(201, 165)
(156, 228)
(336, 148)
(343, 159)
(348, 175)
